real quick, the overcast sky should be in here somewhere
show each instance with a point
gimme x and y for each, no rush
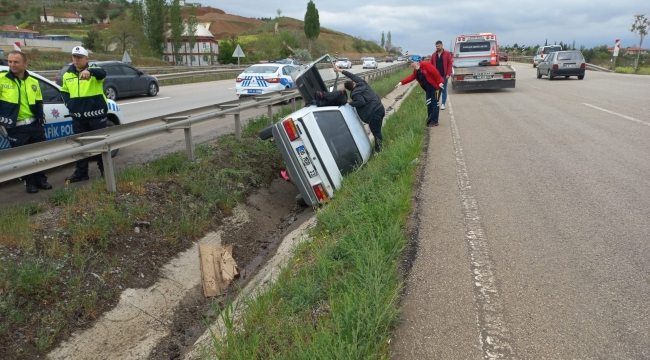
(416, 25)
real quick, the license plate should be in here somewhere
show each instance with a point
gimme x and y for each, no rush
(254, 91)
(483, 77)
(306, 162)
(569, 65)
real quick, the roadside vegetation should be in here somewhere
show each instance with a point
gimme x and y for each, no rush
(65, 262)
(630, 70)
(338, 297)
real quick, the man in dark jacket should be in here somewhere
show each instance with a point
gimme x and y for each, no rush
(367, 103)
(430, 80)
(83, 94)
(442, 60)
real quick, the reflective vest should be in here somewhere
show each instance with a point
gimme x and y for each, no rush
(10, 98)
(85, 98)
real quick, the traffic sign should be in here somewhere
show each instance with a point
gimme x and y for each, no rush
(239, 53)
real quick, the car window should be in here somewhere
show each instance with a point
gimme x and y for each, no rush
(475, 46)
(287, 70)
(129, 71)
(261, 70)
(115, 71)
(573, 55)
(550, 57)
(51, 95)
(339, 140)
(549, 49)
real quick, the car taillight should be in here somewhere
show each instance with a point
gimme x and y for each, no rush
(460, 78)
(555, 67)
(582, 66)
(290, 128)
(507, 76)
(320, 193)
(273, 80)
(240, 79)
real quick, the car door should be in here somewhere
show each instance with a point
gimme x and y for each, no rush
(138, 83)
(548, 62)
(115, 77)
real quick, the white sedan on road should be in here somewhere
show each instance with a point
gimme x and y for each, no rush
(370, 63)
(344, 63)
(57, 125)
(264, 78)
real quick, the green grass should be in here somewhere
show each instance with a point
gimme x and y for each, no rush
(338, 297)
(630, 70)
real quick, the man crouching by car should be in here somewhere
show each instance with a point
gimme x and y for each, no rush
(368, 104)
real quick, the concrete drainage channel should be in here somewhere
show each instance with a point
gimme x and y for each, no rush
(165, 321)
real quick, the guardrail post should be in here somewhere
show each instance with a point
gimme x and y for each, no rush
(237, 127)
(187, 129)
(109, 170)
(107, 159)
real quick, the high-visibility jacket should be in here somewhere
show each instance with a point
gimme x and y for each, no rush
(84, 98)
(11, 91)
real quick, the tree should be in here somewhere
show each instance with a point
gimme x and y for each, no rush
(176, 29)
(267, 46)
(100, 10)
(92, 41)
(279, 12)
(226, 49)
(383, 40)
(18, 15)
(312, 23)
(154, 22)
(389, 42)
(192, 24)
(640, 28)
(125, 34)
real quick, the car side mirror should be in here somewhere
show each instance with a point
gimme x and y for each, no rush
(140, 72)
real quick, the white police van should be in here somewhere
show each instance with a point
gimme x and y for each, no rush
(57, 125)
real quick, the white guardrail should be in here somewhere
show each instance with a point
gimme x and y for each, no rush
(27, 159)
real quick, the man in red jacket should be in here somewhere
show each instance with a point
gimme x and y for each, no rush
(431, 81)
(442, 60)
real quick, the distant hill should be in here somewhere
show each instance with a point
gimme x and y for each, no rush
(223, 26)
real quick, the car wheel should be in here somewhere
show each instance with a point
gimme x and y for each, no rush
(153, 89)
(534, 65)
(300, 201)
(550, 76)
(110, 123)
(266, 133)
(111, 93)
(539, 74)
(580, 77)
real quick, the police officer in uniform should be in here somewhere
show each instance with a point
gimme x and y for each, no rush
(83, 94)
(22, 119)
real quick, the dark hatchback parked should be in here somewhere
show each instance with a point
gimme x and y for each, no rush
(121, 80)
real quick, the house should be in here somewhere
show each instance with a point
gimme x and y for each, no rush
(15, 32)
(204, 52)
(630, 50)
(67, 17)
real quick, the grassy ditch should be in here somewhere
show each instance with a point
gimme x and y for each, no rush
(64, 262)
(630, 70)
(338, 297)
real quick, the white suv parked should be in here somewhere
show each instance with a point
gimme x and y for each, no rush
(543, 51)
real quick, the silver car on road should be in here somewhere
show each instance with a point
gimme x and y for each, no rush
(562, 63)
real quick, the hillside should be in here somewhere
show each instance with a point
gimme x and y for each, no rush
(223, 26)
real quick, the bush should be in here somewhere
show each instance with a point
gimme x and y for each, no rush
(302, 55)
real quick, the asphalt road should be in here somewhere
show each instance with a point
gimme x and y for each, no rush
(535, 224)
(171, 99)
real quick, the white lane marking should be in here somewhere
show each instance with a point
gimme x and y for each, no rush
(137, 102)
(494, 335)
(617, 114)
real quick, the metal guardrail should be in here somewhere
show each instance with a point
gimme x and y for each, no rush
(163, 69)
(28, 159)
(596, 68)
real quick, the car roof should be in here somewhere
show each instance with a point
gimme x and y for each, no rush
(4, 68)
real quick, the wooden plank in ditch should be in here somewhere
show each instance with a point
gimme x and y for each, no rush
(208, 271)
